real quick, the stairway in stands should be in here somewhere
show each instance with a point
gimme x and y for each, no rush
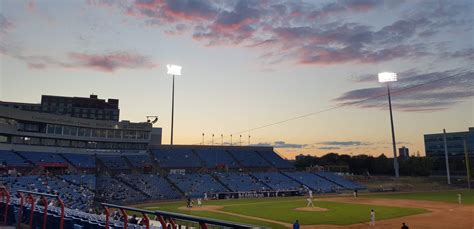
(220, 182)
(174, 186)
(132, 186)
(261, 182)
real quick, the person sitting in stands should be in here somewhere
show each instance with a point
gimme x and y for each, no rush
(133, 220)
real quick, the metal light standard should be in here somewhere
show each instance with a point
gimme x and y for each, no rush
(173, 70)
(387, 77)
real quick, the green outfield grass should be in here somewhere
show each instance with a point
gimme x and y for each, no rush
(282, 209)
(443, 196)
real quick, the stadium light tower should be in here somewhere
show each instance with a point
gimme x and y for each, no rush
(173, 70)
(387, 77)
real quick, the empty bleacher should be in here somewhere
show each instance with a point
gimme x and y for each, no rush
(313, 181)
(240, 182)
(113, 161)
(216, 157)
(153, 185)
(42, 158)
(277, 181)
(139, 160)
(340, 180)
(195, 185)
(249, 158)
(176, 157)
(85, 161)
(275, 159)
(112, 190)
(9, 158)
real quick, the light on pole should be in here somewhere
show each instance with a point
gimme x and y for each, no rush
(387, 77)
(173, 70)
(231, 140)
(222, 139)
(240, 140)
(202, 139)
(212, 139)
(249, 139)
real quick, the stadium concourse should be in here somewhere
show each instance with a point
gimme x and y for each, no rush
(82, 180)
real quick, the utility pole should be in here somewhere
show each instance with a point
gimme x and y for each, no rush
(446, 157)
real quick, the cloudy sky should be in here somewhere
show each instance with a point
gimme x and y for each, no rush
(298, 75)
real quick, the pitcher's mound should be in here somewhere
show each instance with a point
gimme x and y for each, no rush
(202, 208)
(311, 209)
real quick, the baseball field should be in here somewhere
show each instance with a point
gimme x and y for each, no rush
(418, 210)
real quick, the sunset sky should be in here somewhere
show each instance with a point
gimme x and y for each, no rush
(248, 64)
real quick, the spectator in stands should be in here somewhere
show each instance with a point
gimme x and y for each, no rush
(133, 220)
(296, 225)
(404, 226)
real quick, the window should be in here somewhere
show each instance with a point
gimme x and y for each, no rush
(66, 130)
(73, 131)
(48, 142)
(102, 133)
(50, 129)
(95, 133)
(58, 129)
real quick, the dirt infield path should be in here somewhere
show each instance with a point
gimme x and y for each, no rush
(441, 215)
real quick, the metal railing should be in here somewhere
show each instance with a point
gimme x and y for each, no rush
(44, 200)
(166, 218)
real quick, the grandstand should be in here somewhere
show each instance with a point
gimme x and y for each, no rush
(85, 163)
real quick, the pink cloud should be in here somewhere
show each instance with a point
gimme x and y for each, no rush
(109, 62)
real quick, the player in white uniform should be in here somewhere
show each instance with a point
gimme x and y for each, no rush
(310, 192)
(459, 198)
(310, 202)
(199, 202)
(372, 218)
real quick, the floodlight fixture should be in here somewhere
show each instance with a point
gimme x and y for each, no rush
(174, 69)
(387, 77)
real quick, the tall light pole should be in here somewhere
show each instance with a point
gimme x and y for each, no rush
(387, 77)
(222, 139)
(231, 140)
(173, 70)
(213, 139)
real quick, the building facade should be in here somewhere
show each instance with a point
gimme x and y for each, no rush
(79, 107)
(22, 126)
(434, 148)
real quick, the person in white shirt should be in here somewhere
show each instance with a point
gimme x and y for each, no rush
(199, 202)
(459, 198)
(310, 202)
(310, 192)
(372, 218)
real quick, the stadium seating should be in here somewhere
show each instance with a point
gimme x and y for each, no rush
(275, 159)
(42, 157)
(314, 182)
(139, 160)
(81, 160)
(76, 195)
(240, 182)
(177, 158)
(215, 157)
(113, 161)
(9, 158)
(112, 190)
(249, 158)
(277, 181)
(154, 185)
(195, 185)
(340, 180)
